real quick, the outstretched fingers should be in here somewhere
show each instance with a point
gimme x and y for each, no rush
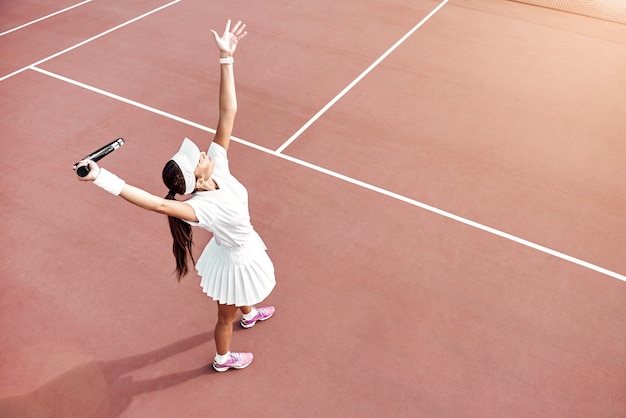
(228, 41)
(238, 30)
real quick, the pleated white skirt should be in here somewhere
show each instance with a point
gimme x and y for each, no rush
(241, 276)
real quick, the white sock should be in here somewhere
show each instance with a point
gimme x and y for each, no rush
(250, 314)
(221, 359)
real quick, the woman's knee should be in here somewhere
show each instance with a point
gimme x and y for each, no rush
(226, 314)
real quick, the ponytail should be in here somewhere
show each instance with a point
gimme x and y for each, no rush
(182, 242)
(181, 231)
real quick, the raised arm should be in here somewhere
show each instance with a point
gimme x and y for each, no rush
(227, 44)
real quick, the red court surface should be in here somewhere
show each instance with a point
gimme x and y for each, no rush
(439, 184)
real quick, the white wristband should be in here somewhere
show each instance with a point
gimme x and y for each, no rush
(109, 182)
(227, 60)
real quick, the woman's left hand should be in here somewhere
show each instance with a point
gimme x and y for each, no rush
(227, 43)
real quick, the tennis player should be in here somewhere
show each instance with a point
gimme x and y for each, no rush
(234, 267)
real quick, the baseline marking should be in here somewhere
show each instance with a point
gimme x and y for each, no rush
(342, 177)
(44, 18)
(359, 78)
(90, 39)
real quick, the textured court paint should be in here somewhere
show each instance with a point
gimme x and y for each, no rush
(351, 180)
(44, 17)
(359, 78)
(512, 123)
(611, 10)
(123, 99)
(481, 326)
(86, 41)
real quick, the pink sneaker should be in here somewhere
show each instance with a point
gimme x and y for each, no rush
(261, 315)
(235, 361)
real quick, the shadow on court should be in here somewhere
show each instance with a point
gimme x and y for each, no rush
(102, 388)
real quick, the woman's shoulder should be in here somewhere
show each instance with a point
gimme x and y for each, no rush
(217, 149)
(219, 155)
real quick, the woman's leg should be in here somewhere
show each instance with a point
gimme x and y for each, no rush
(226, 315)
(252, 314)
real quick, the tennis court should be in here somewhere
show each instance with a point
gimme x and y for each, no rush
(439, 185)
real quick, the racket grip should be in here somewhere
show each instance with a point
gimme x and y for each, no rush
(82, 171)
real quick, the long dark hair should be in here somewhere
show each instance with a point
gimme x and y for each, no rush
(181, 230)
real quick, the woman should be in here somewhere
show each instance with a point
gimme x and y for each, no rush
(235, 269)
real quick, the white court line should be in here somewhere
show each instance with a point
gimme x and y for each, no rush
(459, 219)
(359, 78)
(359, 183)
(122, 99)
(44, 18)
(90, 39)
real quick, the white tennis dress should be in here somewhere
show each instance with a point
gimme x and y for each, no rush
(234, 266)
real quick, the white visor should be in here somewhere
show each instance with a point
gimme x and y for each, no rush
(187, 159)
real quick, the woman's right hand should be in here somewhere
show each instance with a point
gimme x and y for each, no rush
(227, 43)
(94, 170)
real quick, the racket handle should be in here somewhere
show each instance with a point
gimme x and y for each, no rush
(82, 171)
